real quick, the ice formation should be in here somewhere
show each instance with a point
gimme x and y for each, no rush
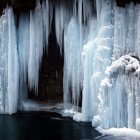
(21, 53)
(122, 80)
(110, 84)
(101, 49)
(9, 66)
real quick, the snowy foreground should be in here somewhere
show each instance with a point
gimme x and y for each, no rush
(128, 134)
(101, 60)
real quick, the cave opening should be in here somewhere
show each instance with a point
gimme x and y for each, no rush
(50, 84)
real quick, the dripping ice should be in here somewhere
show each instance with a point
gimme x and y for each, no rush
(101, 59)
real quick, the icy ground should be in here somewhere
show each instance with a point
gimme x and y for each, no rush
(30, 105)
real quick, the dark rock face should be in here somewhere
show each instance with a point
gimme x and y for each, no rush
(123, 2)
(18, 5)
(23, 5)
(51, 71)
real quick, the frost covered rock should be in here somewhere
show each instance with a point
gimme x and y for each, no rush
(124, 64)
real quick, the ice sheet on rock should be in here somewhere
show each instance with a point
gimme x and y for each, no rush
(71, 57)
(94, 66)
(119, 32)
(87, 109)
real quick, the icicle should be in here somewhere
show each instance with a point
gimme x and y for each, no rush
(130, 35)
(36, 46)
(137, 12)
(3, 63)
(47, 20)
(137, 105)
(119, 32)
(61, 20)
(73, 44)
(13, 66)
(72, 56)
(23, 53)
(87, 110)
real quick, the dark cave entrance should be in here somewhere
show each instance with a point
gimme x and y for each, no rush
(50, 88)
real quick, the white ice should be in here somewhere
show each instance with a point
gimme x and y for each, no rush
(124, 132)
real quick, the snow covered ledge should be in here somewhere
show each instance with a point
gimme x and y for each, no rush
(129, 134)
(127, 63)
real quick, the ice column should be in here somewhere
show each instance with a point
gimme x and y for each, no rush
(23, 53)
(47, 11)
(3, 62)
(61, 19)
(119, 32)
(36, 46)
(13, 65)
(71, 55)
(103, 52)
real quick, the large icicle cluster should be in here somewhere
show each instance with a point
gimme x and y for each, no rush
(33, 33)
(111, 94)
(119, 92)
(75, 34)
(91, 43)
(21, 51)
(37, 28)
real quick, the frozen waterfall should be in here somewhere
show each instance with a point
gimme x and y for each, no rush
(9, 66)
(101, 46)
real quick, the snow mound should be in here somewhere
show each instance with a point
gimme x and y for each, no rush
(125, 132)
(127, 63)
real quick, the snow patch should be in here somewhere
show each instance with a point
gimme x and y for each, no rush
(125, 132)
